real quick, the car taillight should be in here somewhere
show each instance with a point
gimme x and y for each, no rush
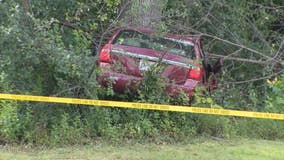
(105, 54)
(195, 73)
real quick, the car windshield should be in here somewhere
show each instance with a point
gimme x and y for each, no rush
(141, 40)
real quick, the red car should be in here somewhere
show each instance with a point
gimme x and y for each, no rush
(132, 51)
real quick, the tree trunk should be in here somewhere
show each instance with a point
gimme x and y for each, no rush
(27, 6)
(145, 13)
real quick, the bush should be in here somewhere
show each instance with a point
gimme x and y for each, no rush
(260, 128)
(43, 59)
(153, 87)
(9, 122)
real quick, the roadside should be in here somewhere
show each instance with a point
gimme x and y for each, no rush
(201, 150)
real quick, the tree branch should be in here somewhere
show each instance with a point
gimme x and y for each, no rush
(72, 26)
(256, 79)
(258, 34)
(239, 59)
(107, 30)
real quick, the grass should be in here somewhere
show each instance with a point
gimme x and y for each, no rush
(201, 150)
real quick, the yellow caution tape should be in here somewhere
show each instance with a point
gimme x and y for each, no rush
(149, 106)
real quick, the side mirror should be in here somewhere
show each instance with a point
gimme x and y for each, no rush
(218, 65)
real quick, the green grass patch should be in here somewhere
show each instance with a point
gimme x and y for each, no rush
(198, 150)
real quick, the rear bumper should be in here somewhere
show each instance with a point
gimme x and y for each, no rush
(122, 82)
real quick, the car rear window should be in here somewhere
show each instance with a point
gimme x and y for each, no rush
(142, 40)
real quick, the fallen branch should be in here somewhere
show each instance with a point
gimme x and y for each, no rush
(239, 59)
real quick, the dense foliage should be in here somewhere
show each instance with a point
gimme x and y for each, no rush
(47, 48)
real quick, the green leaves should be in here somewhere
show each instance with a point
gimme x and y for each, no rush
(275, 95)
(153, 87)
(44, 58)
(249, 24)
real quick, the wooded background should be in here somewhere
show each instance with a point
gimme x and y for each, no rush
(50, 47)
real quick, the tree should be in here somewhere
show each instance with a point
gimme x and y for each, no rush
(144, 13)
(242, 34)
